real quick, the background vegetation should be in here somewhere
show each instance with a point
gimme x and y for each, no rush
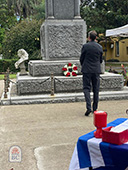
(6, 63)
(104, 14)
(24, 35)
(20, 22)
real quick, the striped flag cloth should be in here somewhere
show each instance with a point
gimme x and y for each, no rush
(92, 152)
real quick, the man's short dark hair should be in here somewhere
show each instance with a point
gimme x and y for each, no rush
(92, 35)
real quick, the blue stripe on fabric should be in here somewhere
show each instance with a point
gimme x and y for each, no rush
(119, 154)
(83, 153)
(117, 122)
(82, 148)
(106, 147)
(108, 168)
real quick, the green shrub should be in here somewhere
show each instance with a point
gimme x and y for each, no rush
(6, 63)
(25, 35)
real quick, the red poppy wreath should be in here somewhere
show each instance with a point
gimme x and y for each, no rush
(70, 70)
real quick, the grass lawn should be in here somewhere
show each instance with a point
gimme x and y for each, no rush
(11, 76)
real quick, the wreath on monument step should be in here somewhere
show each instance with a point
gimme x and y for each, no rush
(70, 70)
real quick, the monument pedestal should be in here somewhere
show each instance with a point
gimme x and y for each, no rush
(27, 85)
(46, 68)
(62, 39)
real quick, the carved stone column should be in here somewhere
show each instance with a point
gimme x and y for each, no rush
(64, 32)
(76, 9)
(50, 9)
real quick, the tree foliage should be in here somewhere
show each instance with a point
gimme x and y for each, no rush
(7, 20)
(24, 35)
(7, 15)
(104, 14)
(39, 11)
(24, 8)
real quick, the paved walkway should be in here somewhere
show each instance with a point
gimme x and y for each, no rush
(47, 133)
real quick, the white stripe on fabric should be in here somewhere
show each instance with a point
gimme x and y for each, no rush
(74, 164)
(95, 152)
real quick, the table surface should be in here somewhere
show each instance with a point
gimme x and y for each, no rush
(92, 152)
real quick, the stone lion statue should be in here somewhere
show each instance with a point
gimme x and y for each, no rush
(23, 55)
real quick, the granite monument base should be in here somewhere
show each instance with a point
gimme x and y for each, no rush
(62, 39)
(27, 85)
(45, 68)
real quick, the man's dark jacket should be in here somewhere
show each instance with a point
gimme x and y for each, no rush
(91, 57)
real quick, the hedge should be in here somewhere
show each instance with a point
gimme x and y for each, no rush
(10, 63)
(6, 63)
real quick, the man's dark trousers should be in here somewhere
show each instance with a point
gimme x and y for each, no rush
(91, 80)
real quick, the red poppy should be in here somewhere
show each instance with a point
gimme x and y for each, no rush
(74, 74)
(74, 68)
(64, 69)
(68, 74)
(69, 64)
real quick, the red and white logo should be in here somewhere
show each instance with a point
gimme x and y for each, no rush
(15, 154)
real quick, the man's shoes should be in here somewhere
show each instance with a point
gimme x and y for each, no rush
(87, 112)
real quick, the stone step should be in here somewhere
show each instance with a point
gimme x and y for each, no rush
(45, 68)
(27, 85)
(14, 99)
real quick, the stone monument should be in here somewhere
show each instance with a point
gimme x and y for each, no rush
(62, 35)
(63, 32)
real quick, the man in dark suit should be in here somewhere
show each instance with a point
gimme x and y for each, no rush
(90, 59)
